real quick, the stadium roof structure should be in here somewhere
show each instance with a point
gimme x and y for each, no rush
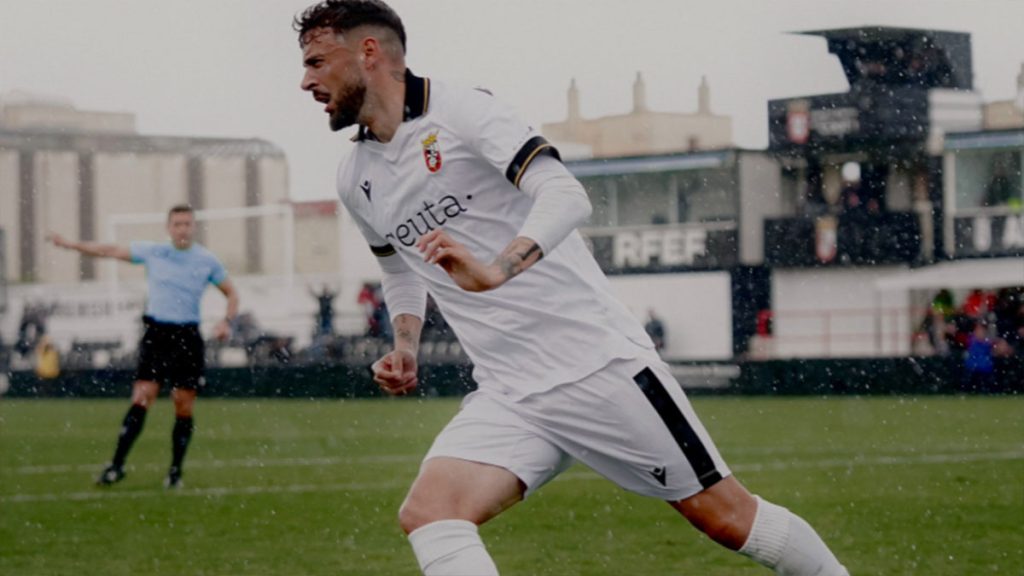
(135, 143)
(986, 273)
(986, 139)
(901, 56)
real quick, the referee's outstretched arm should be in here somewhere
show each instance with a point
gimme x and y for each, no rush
(95, 249)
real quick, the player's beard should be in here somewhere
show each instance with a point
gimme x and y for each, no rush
(350, 103)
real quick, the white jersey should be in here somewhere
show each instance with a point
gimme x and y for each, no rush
(455, 162)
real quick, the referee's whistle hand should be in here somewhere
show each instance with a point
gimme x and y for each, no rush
(395, 373)
(222, 330)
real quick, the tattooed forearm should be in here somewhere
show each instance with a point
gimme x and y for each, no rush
(520, 255)
(407, 332)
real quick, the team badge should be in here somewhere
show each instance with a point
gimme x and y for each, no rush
(432, 153)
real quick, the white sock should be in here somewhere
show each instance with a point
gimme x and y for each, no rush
(787, 544)
(451, 548)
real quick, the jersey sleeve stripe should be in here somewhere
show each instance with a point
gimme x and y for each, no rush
(426, 94)
(529, 151)
(383, 251)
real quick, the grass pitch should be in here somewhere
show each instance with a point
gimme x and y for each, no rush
(929, 485)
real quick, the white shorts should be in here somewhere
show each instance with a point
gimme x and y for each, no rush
(630, 422)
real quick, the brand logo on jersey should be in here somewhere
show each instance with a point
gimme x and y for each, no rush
(659, 474)
(432, 152)
(430, 217)
(365, 187)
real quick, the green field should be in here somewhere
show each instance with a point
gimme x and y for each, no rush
(929, 485)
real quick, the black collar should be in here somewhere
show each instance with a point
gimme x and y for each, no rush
(417, 100)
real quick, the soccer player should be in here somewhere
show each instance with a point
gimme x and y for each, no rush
(460, 198)
(171, 352)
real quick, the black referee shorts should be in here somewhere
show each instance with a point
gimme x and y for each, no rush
(171, 354)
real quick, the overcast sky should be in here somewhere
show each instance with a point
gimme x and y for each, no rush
(232, 67)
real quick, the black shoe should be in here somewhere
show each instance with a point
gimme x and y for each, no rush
(110, 475)
(173, 480)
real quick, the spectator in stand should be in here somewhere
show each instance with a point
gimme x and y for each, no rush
(936, 320)
(978, 304)
(943, 303)
(1009, 321)
(979, 370)
(367, 300)
(655, 328)
(1000, 189)
(325, 310)
(31, 329)
(381, 319)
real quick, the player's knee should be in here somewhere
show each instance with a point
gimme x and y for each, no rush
(421, 508)
(183, 407)
(412, 515)
(143, 397)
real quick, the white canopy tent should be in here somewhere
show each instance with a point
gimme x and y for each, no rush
(987, 273)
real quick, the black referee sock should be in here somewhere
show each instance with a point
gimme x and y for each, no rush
(180, 438)
(130, 430)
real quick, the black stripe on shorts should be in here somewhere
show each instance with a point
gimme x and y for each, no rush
(681, 430)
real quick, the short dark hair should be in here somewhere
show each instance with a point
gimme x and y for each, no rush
(345, 15)
(180, 209)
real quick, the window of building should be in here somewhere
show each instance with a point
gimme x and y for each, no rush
(989, 179)
(707, 195)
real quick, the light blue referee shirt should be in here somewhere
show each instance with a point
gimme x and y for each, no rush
(176, 279)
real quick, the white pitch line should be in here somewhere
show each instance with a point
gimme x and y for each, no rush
(414, 458)
(113, 493)
(236, 463)
(107, 493)
(961, 458)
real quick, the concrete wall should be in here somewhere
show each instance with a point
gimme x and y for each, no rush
(760, 198)
(273, 176)
(224, 187)
(9, 210)
(696, 309)
(317, 244)
(57, 209)
(839, 313)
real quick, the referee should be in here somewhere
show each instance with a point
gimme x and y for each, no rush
(171, 352)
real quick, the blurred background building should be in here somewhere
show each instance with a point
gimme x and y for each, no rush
(81, 173)
(642, 130)
(867, 207)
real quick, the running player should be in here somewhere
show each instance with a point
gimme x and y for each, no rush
(459, 198)
(171, 352)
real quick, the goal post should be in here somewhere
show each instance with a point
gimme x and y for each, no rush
(3, 273)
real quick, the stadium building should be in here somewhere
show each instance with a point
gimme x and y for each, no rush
(831, 243)
(91, 175)
(85, 173)
(835, 246)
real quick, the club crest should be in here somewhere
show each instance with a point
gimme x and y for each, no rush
(432, 152)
